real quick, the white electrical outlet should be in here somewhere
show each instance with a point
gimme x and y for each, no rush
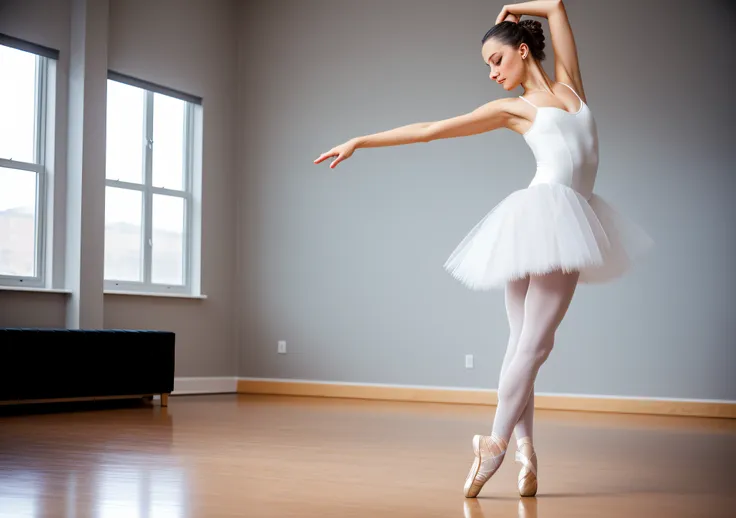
(282, 347)
(468, 361)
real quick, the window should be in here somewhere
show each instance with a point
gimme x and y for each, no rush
(150, 197)
(26, 86)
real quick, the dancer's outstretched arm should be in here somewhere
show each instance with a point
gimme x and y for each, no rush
(567, 67)
(493, 115)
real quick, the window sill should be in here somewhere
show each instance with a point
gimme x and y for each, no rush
(155, 294)
(35, 290)
(106, 292)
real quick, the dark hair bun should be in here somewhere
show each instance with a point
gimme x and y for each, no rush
(536, 42)
(514, 34)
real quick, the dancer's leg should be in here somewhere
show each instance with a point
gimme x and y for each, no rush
(524, 429)
(547, 301)
(515, 295)
(485, 461)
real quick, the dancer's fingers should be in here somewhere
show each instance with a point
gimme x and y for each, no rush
(325, 156)
(339, 159)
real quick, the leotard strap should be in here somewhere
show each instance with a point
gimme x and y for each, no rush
(573, 91)
(527, 100)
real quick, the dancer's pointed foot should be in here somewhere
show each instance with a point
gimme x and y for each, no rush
(526, 455)
(489, 453)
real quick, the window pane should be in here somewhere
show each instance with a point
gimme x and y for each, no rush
(168, 142)
(17, 222)
(123, 235)
(168, 240)
(17, 104)
(125, 132)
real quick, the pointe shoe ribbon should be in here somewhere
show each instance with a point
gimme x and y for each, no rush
(488, 457)
(527, 481)
(525, 462)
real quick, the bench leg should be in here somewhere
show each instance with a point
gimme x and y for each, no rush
(164, 400)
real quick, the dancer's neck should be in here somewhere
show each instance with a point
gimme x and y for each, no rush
(536, 80)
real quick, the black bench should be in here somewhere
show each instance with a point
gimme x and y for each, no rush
(48, 365)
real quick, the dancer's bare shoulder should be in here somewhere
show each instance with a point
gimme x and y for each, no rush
(521, 114)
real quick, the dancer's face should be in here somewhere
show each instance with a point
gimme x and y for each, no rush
(506, 64)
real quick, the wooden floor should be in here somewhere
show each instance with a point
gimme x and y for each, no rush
(262, 456)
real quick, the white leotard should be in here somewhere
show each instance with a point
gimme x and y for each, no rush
(565, 145)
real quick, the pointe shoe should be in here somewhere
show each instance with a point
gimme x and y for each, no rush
(489, 453)
(526, 455)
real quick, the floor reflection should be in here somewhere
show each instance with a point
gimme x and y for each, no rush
(128, 490)
(119, 495)
(137, 487)
(19, 492)
(167, 494)
(527, 508)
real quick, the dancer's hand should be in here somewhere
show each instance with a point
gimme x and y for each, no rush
(342, 152)
(506, 16)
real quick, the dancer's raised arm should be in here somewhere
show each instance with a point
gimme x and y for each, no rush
(567, 68)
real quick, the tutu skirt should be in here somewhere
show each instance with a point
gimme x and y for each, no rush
(543, 228)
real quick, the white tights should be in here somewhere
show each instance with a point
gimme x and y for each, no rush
(535, 307)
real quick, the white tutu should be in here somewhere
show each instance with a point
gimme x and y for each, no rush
(543, 228)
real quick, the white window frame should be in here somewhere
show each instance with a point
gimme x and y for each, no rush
(189, 193)
(46, 59)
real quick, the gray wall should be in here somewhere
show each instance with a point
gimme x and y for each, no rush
(346, 264)
(189, 47)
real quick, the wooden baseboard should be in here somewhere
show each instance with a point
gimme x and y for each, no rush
(651, 406)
